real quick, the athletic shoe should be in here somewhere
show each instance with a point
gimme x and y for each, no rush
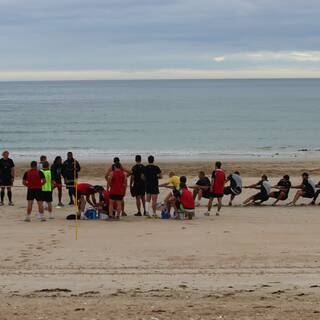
(1, 204)
(138, 214)
(60, 204)
(124, 214)
(207, 213)
(42, 218)
(155, 216)
(71, 203)
(27, 219)
(11, 204)
(51, 216)
(145, 214)
(217, 213)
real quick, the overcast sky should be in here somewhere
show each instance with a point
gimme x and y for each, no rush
(113, 39)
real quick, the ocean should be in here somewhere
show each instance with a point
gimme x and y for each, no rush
(172, 119)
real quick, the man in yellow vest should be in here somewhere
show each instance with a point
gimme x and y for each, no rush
(47, 188)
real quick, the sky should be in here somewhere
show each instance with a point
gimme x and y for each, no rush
(158, 39)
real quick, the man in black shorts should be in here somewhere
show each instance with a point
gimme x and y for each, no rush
(284, 186)
(261, 196)
(6, 177)
(235, 187)
(307, 189)
(202, 188)
(151, 176)
(138, 186)
(34, 179)
(70, 171)
(316, 195)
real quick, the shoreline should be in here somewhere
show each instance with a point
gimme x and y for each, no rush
(247, 168)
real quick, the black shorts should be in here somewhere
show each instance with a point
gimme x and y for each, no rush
(138, 190)
(214, 195)
(34, 194)
(6, 181)
(308, 194)
(229, 190)
(206, 194)
(152, 190)
(116, 197)
(277, 194)
(47, 196)
(260, 196)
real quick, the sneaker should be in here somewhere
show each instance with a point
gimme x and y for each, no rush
(51, 216)
(207, 213)
(11, 204)
(155, 216)
(27, 219)
(124, 214)
(42, 218)
(138, 214)
(1, 204)
(71, 203)
(145, 214)
(60, 204)
(217, 213)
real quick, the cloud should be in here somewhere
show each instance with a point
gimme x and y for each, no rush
(219, 59)
(264, 56)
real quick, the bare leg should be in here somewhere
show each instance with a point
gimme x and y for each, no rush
(119, 207)
(60, 195)
(29, 207)
(50, 209)
(231, 199)
(219, 205)
(2, 194)
(40, 207)
(138, 203)
(296, 197)
(154, 199)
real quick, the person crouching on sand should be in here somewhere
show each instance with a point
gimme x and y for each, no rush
(117, 185)
(86, 194)
(184, 202)
(316, 195)
(307, 189)
(174, 184)
(34, 179)
(217, 188)
(235, 187)
(202, 188)
(263, 195)
(284, 186)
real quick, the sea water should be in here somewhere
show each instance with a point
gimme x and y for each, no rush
(172, 119)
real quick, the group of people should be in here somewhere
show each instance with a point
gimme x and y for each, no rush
(41, 179)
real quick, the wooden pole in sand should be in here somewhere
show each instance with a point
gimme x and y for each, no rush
(76, 195)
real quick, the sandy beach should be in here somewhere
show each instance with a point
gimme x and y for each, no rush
(249, 263)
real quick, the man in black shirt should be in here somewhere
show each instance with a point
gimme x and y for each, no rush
(151, 175)
(201, 188)
(70, 171)
(6, 177)
(138, 186)
(284, 186)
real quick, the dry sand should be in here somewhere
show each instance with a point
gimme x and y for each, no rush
(249, 263)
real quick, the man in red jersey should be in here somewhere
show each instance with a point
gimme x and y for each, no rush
(34, 179)
(117, 184)
(86, 194)
(217, 187)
